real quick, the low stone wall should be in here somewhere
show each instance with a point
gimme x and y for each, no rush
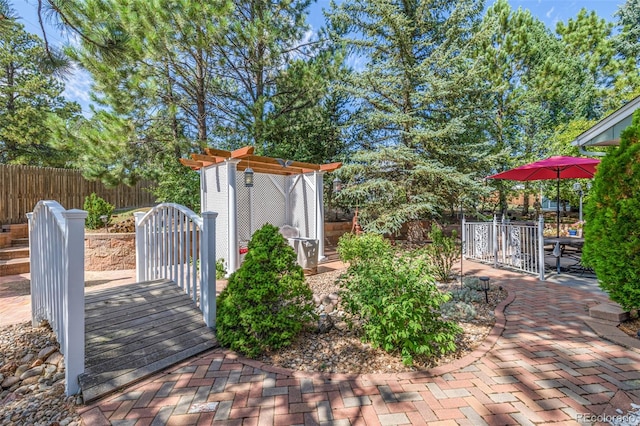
(109, 252)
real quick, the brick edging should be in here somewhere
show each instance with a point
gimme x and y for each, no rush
(476, 354)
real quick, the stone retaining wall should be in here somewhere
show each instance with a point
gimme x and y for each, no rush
(109, 252)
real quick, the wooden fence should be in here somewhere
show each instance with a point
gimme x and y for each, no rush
(21, 187)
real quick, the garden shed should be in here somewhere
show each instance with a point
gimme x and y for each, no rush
(248, 191)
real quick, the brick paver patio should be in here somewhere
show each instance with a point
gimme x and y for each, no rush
(542, 364)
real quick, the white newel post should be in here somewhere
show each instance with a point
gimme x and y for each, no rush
(541, 246)
(319, 213)
(34, 261)
(208, 268)
(74, 288)
(140, 248)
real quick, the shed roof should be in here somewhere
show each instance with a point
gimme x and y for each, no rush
(606, 132)
(257, 163)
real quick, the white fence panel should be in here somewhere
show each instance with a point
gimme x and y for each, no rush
(173, 242)
(505, 244)
(56, 254)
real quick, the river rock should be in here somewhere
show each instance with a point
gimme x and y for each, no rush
(21, 369)
(55, 358)
(36, 363)
(35, 371)
(30, 380)
(10, 381)
(45, 352)
(27, 358)
(9, 367)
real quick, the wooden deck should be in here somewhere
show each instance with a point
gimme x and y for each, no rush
(135, 330)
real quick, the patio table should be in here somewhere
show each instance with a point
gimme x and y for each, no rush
(560, 244)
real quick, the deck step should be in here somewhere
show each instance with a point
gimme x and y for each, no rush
(143, 329)
(20, 242)
(14, 253)
(14, 267)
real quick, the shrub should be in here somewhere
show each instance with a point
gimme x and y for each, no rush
(458, 311)
(442, 252)
(96, 207)
(266, 301)
(221, 271)
(395, 299)
(612, 220)
(366, 247)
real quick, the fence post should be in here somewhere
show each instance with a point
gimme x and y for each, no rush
(208, 268)
(141, 255)
(541, 246)
(74, 287)
(495, 241)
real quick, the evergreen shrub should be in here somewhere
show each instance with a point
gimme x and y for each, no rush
(266, 301)
(394, 298)
(612, 220)
(97, 207)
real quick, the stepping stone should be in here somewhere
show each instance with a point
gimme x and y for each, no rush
(609, 312)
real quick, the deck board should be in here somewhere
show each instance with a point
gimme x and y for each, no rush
(135, 330)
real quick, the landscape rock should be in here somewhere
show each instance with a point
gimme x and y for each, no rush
(10, 381)
(45, 352)
(35, 371)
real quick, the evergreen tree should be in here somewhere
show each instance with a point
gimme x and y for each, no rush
(414, 96)
(32, 109)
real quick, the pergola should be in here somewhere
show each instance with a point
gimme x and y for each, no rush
(283, 192)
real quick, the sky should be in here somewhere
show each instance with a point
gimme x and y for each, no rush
(548, 11)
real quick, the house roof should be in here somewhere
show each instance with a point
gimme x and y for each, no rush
(607, 131)
(259, 164)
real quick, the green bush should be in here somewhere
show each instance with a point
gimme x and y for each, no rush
(366, 247)
(266, 301)
(97, 207)
(221, 271)
(442, 252)
(612, 220)
(395, 299)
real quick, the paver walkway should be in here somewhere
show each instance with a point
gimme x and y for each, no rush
(545, 366)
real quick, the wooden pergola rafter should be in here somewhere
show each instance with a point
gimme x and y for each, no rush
(258, 163)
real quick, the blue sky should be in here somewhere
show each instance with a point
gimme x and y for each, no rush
(549, 11)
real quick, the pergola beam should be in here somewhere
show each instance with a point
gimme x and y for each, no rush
(258, 163)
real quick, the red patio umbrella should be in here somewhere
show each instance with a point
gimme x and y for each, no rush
(552, 168)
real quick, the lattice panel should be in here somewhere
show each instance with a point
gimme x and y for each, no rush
(269, 204)
(302, 205)
(215, 199)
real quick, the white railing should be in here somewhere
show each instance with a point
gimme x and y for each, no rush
(56, 254)
(506, 244)
(173, 242)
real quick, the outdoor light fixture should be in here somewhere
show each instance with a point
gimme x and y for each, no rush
(248, 177)
(337, 184)
(485, 287)
(578, 188)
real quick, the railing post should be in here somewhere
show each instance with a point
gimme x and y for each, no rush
(208, 268)
(34, 261)
(141, 254)
(495, 241)
(541, 246)
(73, 312)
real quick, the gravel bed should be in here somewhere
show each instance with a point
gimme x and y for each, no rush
(32, 378)
(337, 349)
